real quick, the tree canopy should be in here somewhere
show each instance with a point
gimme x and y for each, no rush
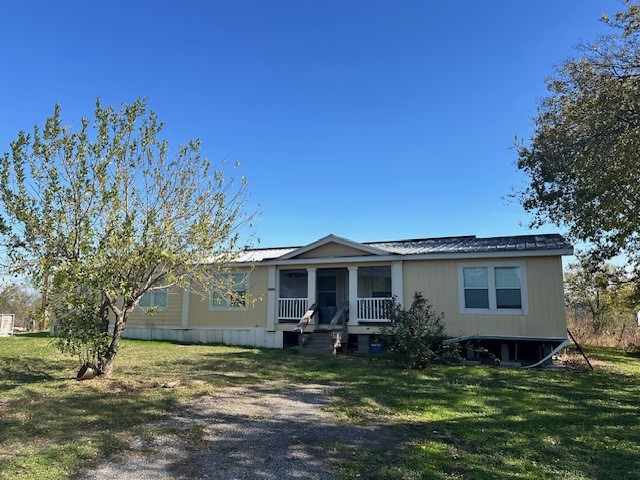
(100, 215)
(583, 160)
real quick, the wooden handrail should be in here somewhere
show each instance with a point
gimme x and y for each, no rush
(306, 318)
(340, 315)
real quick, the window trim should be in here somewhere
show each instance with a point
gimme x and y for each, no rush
(493, 309)
(152, 300)
(226, 308)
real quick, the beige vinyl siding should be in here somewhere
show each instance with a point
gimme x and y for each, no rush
(333, 250)
(255, 315)
(438, 281)
(171, 315)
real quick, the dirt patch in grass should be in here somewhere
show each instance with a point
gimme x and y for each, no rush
(273, 430)
(119, 386)
(574, 361)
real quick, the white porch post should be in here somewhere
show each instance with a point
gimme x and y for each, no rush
(186, 299)
(311, 286)
(271, 298)
(397, 288)
(353, 295)
(311, 290)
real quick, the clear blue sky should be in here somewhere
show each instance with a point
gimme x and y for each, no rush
(373, 120)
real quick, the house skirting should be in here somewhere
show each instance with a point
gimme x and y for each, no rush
(250, 337)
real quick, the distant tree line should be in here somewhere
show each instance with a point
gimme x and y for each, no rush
(602, 303)
(22, 302)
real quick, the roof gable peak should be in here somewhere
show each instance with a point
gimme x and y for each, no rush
(335, 239)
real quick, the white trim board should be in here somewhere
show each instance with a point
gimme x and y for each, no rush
(421, 256)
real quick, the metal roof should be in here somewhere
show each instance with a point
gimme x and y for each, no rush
(473, 244)
(552, 243)
(262, 254)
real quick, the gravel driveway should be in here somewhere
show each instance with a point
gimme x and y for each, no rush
(267, 431)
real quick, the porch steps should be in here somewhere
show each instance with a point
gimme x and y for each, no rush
(320, 343)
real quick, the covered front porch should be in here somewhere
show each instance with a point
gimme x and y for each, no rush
(363, 292)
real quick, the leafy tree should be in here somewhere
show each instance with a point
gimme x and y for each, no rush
(414, 337)
(583, 161)
(599, 296)
(101, 215)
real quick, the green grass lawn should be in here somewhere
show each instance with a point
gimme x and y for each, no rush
(442, 423)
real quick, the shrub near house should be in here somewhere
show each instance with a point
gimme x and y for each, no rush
(414, 337)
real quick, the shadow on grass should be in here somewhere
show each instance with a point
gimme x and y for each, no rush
(16, 372)
(469, 422)
(439, 423)
(493, 423)
(51, 424)
(34, 335)
(60, 408)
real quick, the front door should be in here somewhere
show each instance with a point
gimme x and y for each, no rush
(332, 286)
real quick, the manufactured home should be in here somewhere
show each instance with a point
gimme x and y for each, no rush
(505, 293)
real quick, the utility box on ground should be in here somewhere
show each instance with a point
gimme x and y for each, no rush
(363, 343)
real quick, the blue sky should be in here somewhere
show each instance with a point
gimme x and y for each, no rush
(373, 120)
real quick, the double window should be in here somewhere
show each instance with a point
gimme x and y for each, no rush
(496, 288)
(232, 292)
(154, 298)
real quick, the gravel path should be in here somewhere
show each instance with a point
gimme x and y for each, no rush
(263, 432)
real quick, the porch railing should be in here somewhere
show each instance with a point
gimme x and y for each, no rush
(292, 308)
(374, 309)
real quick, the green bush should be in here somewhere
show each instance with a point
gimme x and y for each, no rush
(79, 327)
(414, 337)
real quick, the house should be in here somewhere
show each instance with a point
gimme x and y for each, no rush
(504, 293)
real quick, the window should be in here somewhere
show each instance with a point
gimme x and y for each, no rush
(293, 283)
(497, 289)
(476, 287)
(508, 291)
(381, 287)
(154, 298)
(233, 293)
(374, 282)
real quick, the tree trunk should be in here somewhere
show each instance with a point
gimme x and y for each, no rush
(104, 327)
(43, 319)
(106, 368)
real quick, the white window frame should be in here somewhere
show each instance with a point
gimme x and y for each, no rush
(493, 308)
(152, 299)
(228, 307)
